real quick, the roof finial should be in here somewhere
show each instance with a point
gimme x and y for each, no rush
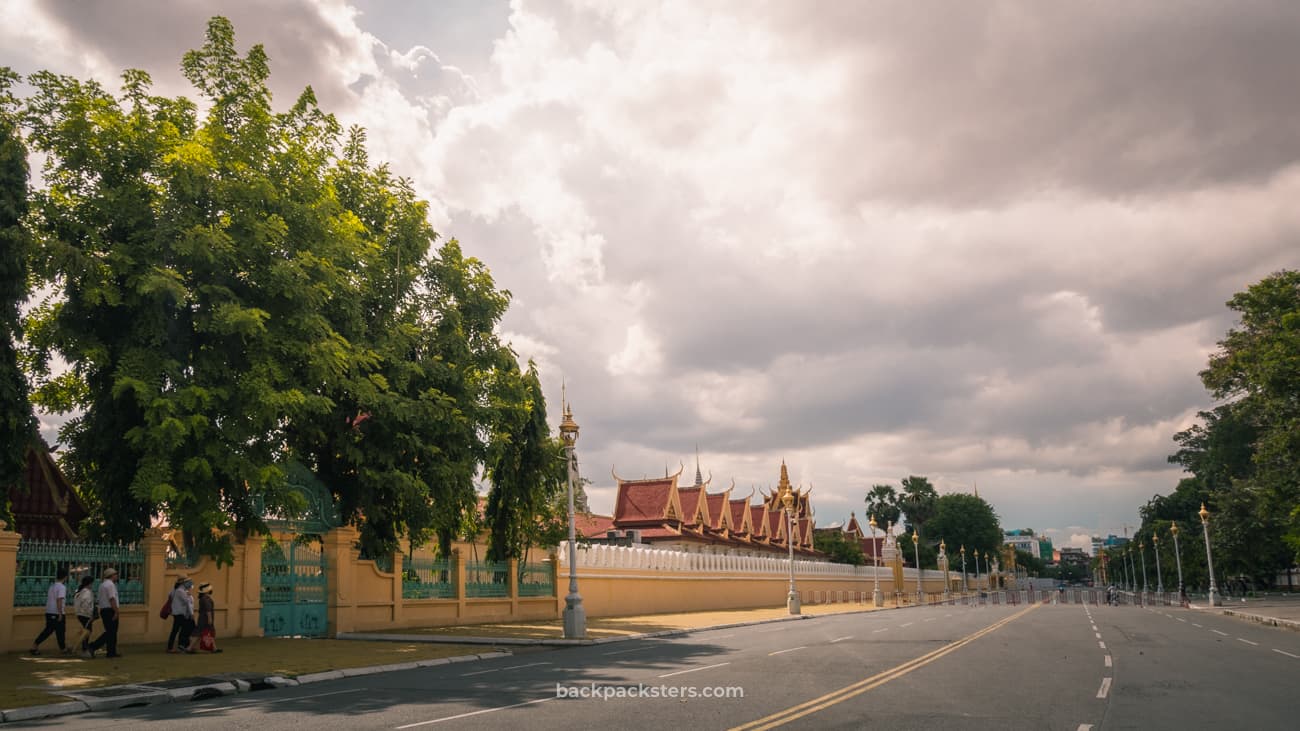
(699, 478)
(977, 489)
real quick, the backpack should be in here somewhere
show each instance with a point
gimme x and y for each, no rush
(166, 610)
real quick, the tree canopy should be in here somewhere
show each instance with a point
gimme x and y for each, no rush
(17, 424)
(882, 503)
(236, 290)
(1244, 454)
(960, 520)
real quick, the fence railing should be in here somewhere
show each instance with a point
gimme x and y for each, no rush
(487, 578)
(427, 578)
(39, 563)
(536, 580)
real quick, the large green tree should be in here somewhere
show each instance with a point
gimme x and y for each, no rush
(961, 519)
(1242, 455)
(526, 470)
(241, 289)
(836, 545)
(17, 425)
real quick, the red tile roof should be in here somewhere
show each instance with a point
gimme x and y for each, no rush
(644, 500)
(590, 525)
(690, 497)
(717, 509)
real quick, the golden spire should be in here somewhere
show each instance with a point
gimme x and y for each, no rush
(784, 485)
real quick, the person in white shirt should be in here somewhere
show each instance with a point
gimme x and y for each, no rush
(182, 615)
(108, 611)
(84, 603)
(55, 625)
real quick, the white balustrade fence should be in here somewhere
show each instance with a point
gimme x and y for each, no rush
(644, 558)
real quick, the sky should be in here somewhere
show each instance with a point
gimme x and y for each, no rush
(988, 242)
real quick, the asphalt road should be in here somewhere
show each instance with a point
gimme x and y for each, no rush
(1057, 667)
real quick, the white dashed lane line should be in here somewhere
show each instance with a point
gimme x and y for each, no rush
(782, 652)
(841, 639)
(1217, 632)
(1105, 688)
(1197, 625)
(1108, 661)
(694, 670)
(1248, 642)
(1284, 652)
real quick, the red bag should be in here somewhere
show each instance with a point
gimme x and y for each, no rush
(208, 640)
(166, 610)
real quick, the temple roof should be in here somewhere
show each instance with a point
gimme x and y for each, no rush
(647, 500)
(46, 506)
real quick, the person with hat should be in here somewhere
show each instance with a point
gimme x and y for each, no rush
(182, 603)
(207, 639)
(108, 612)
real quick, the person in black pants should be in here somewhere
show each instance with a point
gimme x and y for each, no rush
(55, 618)
(180, 618)
(108, 612)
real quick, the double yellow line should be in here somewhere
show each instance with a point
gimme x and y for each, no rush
(781, 718)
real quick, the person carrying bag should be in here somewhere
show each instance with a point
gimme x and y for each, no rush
(207, 618)
(84, 604)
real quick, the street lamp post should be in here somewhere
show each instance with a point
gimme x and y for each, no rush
(1209, 560)
(943, 560)
(787, 499)
(1142, 551)
(1178, 557)
(1132, 570)
(964, 588)
(977, 569)
(916, 548)
(575, 616)
(877, 599)
(1155, 547)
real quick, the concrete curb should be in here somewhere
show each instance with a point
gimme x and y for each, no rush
(202, 691)
(1261, 619)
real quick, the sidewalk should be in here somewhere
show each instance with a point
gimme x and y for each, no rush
(1281, 612)
(49, 678)
(607, 629)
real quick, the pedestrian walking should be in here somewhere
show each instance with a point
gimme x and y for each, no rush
(55, 619)
(182, 611)
(108, 612)
(84, 604)
(207, 617)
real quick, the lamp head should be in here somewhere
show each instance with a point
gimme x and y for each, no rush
(1205, 514)
(568, 427)
(1173, 528)
(915, 538)
(872, 522)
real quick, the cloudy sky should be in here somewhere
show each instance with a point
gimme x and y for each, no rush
(983, 242)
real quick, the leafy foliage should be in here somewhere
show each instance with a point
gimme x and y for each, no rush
(836, 545)
(960, 520)
(17, 425)
(1244, 455)
(882, 502)
(243, 289)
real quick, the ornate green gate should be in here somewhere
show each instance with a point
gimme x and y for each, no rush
(294, 586)
(293, 591)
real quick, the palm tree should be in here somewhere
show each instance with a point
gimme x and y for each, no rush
(882, 502)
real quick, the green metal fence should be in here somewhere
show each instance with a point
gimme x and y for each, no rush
(39, 563)
(487, 578)
(535, 580)
(427, 578)
(294, 590)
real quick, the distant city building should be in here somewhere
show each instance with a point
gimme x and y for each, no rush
(1045, 548)
(1022, 540)
(1114, 541)
(1071, 556)
(1097, 544)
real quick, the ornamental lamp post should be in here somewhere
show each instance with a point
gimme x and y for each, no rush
(787, 499)
(977, 568)
(916, 548)
(1142, 551)
(877, 599)
(1155, 547)
(943, 559)
(1178, 557)
(964, 588)
(1209, 559)
(575, 616)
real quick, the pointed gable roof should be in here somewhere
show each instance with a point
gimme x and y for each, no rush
(742, 520)
(719, 510)
(853, 528)
(641, 501)
(695, 509)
